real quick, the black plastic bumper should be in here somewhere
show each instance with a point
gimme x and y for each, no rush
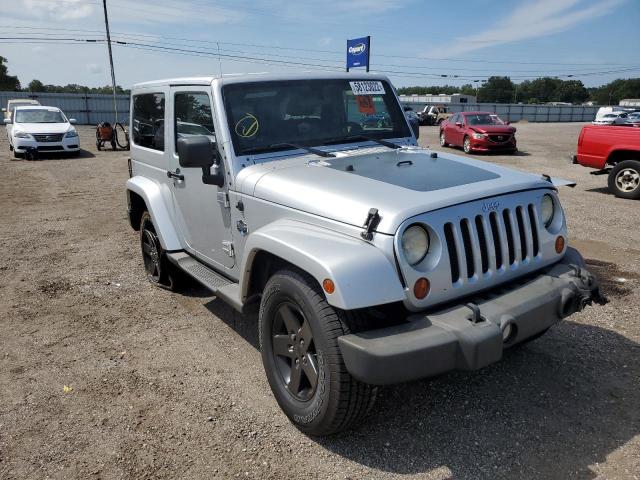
(470, 336)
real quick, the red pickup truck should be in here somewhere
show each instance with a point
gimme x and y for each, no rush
(614, 151)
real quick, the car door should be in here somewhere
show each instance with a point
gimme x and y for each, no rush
(202, 211)
(453, 134)
(446, 129)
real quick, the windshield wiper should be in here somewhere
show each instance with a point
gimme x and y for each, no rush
(315, 151)
(284, 146)
(348, 138)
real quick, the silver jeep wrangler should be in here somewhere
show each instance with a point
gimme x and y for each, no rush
(372, 261)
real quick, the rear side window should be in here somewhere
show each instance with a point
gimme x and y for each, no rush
(148, 120)
(192, 115)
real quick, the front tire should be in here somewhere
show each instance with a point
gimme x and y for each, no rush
(298, 333)
(443, 140)
(624, 179)
(466, 145)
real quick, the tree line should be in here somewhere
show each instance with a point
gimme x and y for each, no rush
(541, 90)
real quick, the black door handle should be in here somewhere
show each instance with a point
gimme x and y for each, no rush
(177, 175)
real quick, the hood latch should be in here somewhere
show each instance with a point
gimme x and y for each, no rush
(370, 224)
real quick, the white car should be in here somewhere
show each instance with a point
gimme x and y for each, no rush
(45, 129)
(607, 119)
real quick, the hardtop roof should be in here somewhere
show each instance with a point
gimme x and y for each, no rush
(258, 77)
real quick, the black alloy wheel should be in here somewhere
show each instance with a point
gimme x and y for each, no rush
(294, 351)
(159, 270)
(151, 249)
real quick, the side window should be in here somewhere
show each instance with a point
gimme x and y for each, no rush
(192, 115)
(148, 120)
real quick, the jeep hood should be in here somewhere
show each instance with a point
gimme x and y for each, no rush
(399, 183)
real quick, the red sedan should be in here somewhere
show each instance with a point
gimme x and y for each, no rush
(478, 131)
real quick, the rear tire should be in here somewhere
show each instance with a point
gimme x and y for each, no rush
(624, 179)
(298, 332)
(160, 271)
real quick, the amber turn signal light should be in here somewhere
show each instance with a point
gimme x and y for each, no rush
(559, 244)
(421, 288)
(328, 286)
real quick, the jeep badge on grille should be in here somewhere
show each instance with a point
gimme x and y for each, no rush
(490, 206)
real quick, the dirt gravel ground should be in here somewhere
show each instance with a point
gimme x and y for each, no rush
(104, 376)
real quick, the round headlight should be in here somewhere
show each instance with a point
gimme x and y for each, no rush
(415, 244)
(547, 209)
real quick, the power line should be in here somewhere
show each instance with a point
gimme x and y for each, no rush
(341, 54)
(265, 59)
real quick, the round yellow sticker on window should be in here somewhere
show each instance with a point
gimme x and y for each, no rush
(247, 126)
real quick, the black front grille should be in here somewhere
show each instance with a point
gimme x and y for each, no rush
(500, 137)
(49, 148)
(48, 137)
(492, 241)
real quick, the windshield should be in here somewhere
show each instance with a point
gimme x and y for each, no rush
(39, 116)
(484, 119)
(264, 115)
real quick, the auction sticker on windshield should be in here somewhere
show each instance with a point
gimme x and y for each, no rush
(367, 88)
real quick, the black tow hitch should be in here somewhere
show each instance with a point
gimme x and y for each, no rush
(581, 292)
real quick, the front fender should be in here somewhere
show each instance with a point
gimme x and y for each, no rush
(160, 212)
(362, 274)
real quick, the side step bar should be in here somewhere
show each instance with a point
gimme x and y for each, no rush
(223, 288)
(200, 272)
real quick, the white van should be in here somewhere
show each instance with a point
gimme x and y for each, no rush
(18, 102)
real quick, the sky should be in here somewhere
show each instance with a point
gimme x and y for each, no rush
(414, 42)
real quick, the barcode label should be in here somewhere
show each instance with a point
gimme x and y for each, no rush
(367, 88)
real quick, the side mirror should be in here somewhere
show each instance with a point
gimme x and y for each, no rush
(72, 121)
(458, 124)
(201, 152)
(7, 121)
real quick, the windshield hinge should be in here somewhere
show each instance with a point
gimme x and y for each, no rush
(370, 224)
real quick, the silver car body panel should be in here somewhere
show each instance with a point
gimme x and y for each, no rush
(362, 274)
(151, 193)
(308, 183)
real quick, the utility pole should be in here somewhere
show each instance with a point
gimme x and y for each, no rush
(113, 75)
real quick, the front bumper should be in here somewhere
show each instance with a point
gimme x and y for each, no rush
(470, 336)
(20, 145)
(484, 145)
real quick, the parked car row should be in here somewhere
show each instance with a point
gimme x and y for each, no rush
(619, 118)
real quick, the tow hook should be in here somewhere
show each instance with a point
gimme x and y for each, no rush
(583, 291)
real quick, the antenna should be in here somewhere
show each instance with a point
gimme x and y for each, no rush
(219, 61)
(113, 75)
